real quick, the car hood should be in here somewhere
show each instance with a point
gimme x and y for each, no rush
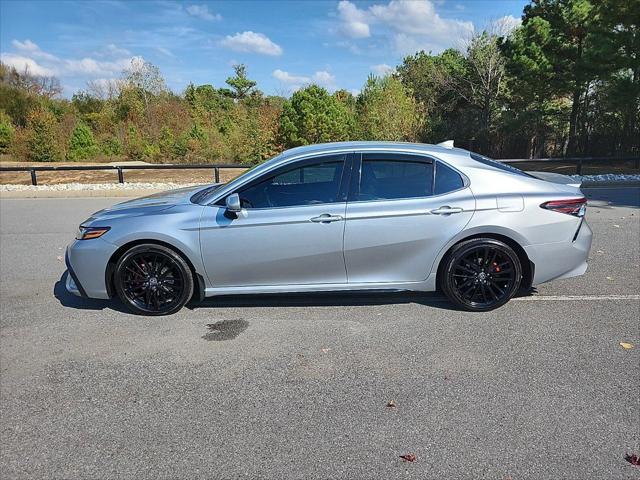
(147, 205)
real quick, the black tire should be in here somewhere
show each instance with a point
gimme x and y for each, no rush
(152, 279)
(481, 274)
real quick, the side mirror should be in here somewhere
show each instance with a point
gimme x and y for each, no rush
(233, 203)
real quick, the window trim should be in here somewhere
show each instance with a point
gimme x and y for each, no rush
(344, 157)
(465, 179)
(356, 178)
(354, 185)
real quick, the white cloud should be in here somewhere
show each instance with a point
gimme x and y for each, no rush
(26, 46)
(165, 51)
(252, 42)
(382, 69)
(113, 50)
(295, 82)
(22, 64)
(354, 21)
(32, 50)
(505, 25)
(286, 77)
(106, 63)
(410, 24)
(417, 23)
(90, 66)
(324, 79)
(202, 11)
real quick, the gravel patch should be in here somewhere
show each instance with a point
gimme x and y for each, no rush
(607, 177)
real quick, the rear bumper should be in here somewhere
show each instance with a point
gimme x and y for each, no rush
(561, 259)
(86, 263)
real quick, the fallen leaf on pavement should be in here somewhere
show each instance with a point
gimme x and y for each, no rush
(391, 404)
(633, 459)
(410, 457)
(626, 346)
(59, 258)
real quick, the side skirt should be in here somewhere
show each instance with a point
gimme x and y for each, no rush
(429, 285)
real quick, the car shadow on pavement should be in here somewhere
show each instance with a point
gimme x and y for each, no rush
(325, 299)
(70, 300)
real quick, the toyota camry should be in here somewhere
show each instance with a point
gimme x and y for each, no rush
(340, 216)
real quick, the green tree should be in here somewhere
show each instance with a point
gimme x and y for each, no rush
(82, 145)
(555, 51)
(145, 78)
(433, 81)
(42, 138)
(386, 111)
(314, 116)
(7, 132)
(239, 83)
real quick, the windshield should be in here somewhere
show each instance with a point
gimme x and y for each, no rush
(495, 163)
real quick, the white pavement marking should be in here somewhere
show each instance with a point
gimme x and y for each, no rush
(568, 298)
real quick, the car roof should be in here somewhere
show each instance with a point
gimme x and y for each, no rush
(372, 145)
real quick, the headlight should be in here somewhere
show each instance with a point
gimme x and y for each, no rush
(87, 233)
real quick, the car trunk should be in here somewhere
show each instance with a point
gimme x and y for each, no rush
(564, 183)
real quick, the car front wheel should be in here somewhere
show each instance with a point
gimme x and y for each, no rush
(481, 274)
(153, 280)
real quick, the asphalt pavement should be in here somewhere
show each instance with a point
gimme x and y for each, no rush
(297, 386)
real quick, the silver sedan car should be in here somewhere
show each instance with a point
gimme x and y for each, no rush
(340, 216)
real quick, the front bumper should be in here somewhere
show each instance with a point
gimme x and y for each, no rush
(71, 285)
(86, 264)
(561, 259)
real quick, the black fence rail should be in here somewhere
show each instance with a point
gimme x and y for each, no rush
(120, 169)
(565, 165)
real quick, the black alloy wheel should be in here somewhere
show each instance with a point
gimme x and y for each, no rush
(153, 280)
(481, 274)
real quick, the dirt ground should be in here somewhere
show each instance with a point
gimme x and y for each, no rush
(111, 176)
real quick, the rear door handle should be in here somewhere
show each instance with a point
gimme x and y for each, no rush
(326, 218)
(446, 210)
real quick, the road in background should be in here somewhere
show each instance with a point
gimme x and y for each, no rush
(297, 386)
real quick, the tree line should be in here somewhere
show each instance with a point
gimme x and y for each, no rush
(566, 82)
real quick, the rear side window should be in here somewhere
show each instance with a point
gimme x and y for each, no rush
(387, 177)
(494, 163)
(447, 179)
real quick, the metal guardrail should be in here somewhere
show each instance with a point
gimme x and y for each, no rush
(579, 162)
(120, 168)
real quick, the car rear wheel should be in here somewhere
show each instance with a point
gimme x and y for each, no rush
(481, 274)
(153, 280)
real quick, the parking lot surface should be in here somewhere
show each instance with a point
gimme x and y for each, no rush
(298, 386)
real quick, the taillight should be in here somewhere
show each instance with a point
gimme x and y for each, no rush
(575, 206)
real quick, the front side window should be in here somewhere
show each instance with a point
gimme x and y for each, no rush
(309, 184)
(387, 177)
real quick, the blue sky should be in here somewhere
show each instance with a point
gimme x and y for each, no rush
(285, 44)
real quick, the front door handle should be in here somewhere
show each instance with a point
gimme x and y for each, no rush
(446, 210)
(326, 218)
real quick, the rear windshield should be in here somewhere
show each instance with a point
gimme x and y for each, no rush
(502, 166)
